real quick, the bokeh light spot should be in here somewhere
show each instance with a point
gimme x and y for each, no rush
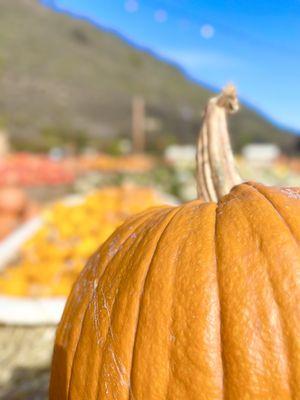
(160, 16)
(207, 31)
(131, 6)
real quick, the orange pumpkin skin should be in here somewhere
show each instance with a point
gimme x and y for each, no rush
(196, 302)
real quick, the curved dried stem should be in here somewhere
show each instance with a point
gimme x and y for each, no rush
(216, 170)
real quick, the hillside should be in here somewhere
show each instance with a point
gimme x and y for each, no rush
(58, 74)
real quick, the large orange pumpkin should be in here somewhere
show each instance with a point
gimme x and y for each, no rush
(194, 302)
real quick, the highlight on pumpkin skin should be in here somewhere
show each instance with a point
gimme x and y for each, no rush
(216, 170)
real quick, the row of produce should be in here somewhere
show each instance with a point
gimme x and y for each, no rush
(15, 209)
(33, 170)
(70, 231)
(29, 170)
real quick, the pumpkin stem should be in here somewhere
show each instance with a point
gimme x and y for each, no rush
(216, 170)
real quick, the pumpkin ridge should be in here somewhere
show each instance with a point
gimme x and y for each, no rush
(280, 308)
(195, 207)
(282, 324)
(176, 211)
(256, 187)
(169, 210)
(84, 315)
(84, 271)
(220, 305)
(150, 212)
(65, 312)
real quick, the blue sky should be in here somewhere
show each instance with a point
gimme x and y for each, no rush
(255, 44)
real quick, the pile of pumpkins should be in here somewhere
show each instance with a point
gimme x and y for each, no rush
(31, 170)
(106, 163)
(15, 209)
(52, 258)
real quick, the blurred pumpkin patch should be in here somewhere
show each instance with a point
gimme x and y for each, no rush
(50, 261)
(29, 170)
(15, 209)
(126, 163)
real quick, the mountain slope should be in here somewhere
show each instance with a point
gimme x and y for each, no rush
(60, 74)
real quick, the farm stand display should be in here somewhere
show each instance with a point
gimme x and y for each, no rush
(71, 231)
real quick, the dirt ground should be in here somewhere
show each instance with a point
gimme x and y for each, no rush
(25, 356)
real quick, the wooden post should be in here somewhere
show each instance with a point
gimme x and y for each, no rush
(138, 124)
(4, 144)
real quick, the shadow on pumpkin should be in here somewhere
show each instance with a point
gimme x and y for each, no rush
(59, 376)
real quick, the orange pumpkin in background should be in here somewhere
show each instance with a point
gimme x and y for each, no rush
(50, 260)
(12, 200)
(200, 301)
(15, 209)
